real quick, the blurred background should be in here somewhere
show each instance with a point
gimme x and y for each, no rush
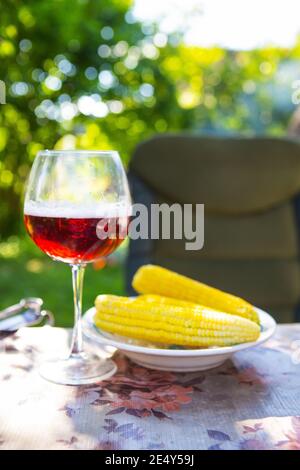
(102, 74)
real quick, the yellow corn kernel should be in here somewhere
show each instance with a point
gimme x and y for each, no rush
(150, 279)
(193, 326)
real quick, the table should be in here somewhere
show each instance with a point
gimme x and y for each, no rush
(251, 402)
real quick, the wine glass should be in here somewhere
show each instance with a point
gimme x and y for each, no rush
(77, 209)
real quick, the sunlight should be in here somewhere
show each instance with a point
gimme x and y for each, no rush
(231, 24)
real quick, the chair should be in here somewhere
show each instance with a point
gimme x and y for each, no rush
(250, 189)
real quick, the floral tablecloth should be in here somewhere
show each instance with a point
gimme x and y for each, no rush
(251, 402)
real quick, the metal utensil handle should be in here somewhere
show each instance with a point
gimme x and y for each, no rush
(48, 317)
(25, 313)
(12, 310)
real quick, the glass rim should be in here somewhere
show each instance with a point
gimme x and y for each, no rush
(77, 152)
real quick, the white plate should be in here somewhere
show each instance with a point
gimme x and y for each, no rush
(177, 360)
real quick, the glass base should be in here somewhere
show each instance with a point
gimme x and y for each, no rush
(78, 369)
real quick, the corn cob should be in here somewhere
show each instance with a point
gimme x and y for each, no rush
(171, 324)
(150, 279)
(153, 298)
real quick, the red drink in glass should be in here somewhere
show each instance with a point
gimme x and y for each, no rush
(76, 240)
(77, 209)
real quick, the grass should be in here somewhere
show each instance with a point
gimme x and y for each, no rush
(26, 272)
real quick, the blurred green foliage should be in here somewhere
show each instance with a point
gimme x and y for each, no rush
(85, 74)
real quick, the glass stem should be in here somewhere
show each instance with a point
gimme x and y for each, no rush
(77, 279)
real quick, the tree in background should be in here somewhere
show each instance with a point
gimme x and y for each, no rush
(85, 74)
